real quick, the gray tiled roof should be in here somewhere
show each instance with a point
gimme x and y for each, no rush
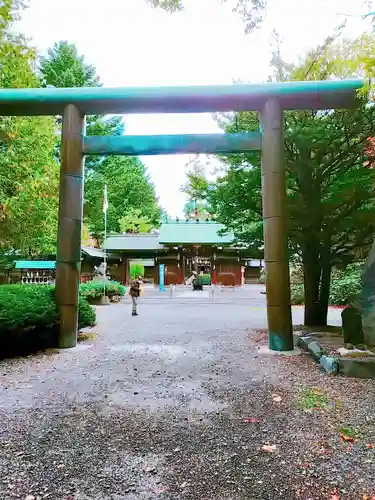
(132, 242)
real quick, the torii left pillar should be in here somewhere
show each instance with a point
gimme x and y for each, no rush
(68, 262)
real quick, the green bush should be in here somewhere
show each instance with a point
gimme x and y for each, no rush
(86, 315)
(29, 318)
(297, 294)
(206, 279)
(94, 290)
(136, 270)
(345, 284)
(262, 276)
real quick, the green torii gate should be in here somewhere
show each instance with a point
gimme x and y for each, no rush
(268, 99)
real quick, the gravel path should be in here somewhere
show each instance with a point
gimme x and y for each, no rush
(155, 407)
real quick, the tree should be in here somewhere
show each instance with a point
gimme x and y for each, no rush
(135, 222)
(28, 173)
(128, 183)
(330, 192)
(252, 11)
(129, 189)
(197, 205)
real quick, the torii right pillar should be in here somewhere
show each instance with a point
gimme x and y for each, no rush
(279, 314)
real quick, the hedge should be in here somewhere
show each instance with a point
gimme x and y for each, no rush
(93, 290)
(29, 318)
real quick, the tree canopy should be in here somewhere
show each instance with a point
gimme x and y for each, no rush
(252, 11)
(330, 191)
(129, 185)
(28, 171)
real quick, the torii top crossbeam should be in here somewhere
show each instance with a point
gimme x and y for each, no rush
(328, 94)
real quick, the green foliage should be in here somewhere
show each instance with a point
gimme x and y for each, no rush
(137, 270)
(129, 186)
(28, 172)
(311, 398)
(135, 222)
(297, 294)
(64, 67)
(206, 279)
(94, 290)
(129, 189)
(262, 276)
(252, 11)
(25, 307)
(87, 314)
(346, 284)
(329, 182)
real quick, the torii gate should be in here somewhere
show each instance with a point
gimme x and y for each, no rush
(270, 100)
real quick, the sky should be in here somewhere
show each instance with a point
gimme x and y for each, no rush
(131, 44)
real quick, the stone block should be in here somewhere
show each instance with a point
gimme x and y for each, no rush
(315, 350)
(354, 353)
(358, 368)
(329, 364)
(305, 341)
(352, 326)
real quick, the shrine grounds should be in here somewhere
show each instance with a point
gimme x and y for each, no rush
(179, 403)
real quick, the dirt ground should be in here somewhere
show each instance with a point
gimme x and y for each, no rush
(178, 403)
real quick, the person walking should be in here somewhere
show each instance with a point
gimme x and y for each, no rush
(134, 292)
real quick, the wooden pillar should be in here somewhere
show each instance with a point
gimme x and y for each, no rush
(68, 264)
(275, 228)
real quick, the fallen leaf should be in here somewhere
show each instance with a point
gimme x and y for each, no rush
(276, 398)
(161, 489)
(269, 448)
(251, 420)
(347, 439)
(334, 495)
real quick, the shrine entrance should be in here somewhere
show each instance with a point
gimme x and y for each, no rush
(270, 100)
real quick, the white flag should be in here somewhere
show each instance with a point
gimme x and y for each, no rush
(105, 200)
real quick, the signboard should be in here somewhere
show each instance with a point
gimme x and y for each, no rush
(161, 277)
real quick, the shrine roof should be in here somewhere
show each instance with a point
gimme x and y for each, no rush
(35, 264)
(132, 242)
(194, 232)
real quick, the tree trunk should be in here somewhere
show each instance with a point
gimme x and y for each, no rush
(325, 283)
(317, 280)
(311, 271)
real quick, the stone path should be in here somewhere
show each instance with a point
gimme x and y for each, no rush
(155, 407)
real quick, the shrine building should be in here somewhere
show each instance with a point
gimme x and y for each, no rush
(184, 246)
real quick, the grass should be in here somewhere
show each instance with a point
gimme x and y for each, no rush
(311, 398)
(350, 432)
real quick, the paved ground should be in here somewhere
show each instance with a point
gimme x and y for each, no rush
(154, 406)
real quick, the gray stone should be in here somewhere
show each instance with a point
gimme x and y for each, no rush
(359, 368)
(352, 325)
(329, 364)
(304, 342)
(315, 350)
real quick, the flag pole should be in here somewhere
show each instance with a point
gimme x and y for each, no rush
(105, 209)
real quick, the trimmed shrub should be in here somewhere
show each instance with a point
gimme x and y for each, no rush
(87, 315)
(94, 290)
(29, 318)
(206, 279)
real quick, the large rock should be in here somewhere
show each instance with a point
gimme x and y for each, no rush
(367, 299)
(352, 326)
